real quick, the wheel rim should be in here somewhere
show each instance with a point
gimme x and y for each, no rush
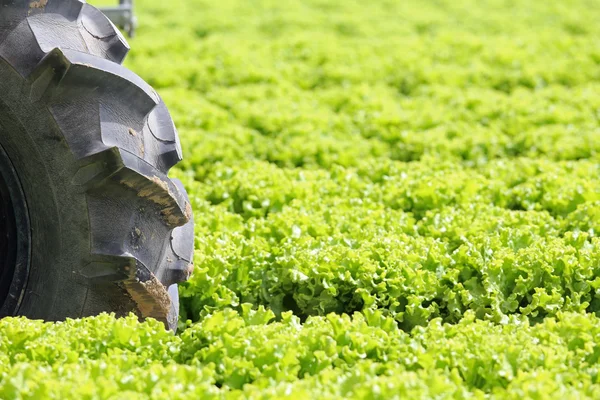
(14, 238)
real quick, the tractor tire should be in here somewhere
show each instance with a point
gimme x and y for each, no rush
(89, 220)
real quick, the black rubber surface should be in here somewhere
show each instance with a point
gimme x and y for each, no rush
(15, 236)
(92, 144)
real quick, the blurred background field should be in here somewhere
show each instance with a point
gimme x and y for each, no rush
(362, 173)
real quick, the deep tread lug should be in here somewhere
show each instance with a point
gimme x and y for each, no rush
(119, 166)
(96, 24)
(152, 298)
(178, 257)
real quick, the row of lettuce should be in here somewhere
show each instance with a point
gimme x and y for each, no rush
(234, 354)
(416, 240)
(292, 127)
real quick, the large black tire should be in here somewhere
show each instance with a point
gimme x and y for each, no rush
(96, 223)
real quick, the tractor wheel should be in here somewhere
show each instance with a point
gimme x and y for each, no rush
(89, 220)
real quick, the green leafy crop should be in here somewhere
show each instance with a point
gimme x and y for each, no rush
(393, 199)
(232, 354)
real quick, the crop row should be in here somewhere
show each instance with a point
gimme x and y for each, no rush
(418, 240)
(229, 355)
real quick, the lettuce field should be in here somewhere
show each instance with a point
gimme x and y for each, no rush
(393, 199)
